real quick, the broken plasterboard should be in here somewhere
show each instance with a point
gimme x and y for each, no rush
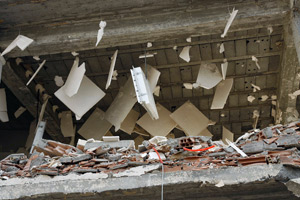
(125, 99)
(221, 94)
(74, 79)
(19, 112)
(227, 134)
(111, 69)
(66, 124)
(95, 126)
(229, 22)
(206, 132)
(161, 127)
(36, 72)
(129, 122)
(224, 69)
(143, 92)
(102, 25)
(208, 76)
(190, 119)
(222, 48)
(87, 96)
(3, 106)
(21, 41)
(185, 54)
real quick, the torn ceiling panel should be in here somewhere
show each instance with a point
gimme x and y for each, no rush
(129, 122)
(3, 106)
(74, 79)
(227, 134)
(208, 76)
(111, 69)
(87, 96)
(221, 94)
(95, 126)
(190, 119)
(143, 92)
(66, 124)
(21, 41)
(161, 127)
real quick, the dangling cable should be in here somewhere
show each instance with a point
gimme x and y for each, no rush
(162, 173)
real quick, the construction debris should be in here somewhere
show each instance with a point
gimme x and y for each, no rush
(102, 25)
(185, 54)
(276, 144)
(35, 73)
(21, 41)
(229, 22)
(111, 69)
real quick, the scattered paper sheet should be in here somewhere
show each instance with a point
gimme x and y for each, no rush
(229, 22)
(74, 53)
(87, 96)
(114, 75)
(250, 98)
(19, 112)
(185, 54)
(102, 25)
(95, 126)
(256, 61)
(21, 41)
(36, 72)
(149, 44)
(227, 134)
(156, 90)
(208, 76)
(74, 78)
(143, 92)
(129, 122)
(255, 87)
(190, 119)
(18, 61)
(161, 127)
(221, 94)
(294, 94)
(3, 106)
(224, 69)
(264, 97)
(59, 81)
(111, 69)
(37, 58)
(222, 48)
(206, 132)
(189, 39)
(188, 86)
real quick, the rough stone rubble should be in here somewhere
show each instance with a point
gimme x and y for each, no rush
(272, 145)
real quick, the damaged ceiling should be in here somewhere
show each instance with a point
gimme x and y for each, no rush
(256, 33)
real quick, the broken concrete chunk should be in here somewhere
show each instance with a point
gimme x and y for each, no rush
(120, 144)
(288, 141)
(114, 157)
(81, 157)
(153, 156)
(65, 160)
(267, 132)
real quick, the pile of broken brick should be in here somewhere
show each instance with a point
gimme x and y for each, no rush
(271, 145)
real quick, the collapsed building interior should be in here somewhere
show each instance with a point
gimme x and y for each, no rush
(261, 52)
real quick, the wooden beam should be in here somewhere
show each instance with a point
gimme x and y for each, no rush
(78, 34)
(26, 97)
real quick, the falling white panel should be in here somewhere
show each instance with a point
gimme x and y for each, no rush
(208, 76)
(87, 96)
(74, 78)
(143, 92)
(66, 124)
(190, 119)
(3, 106)
(95, 126)
(221, 94)
(229, 22)
(111, 69)
(102, 25)
(21, 41)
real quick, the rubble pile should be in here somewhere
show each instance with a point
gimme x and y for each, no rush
(272, 145)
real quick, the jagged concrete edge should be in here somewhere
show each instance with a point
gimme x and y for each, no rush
(73, 183)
